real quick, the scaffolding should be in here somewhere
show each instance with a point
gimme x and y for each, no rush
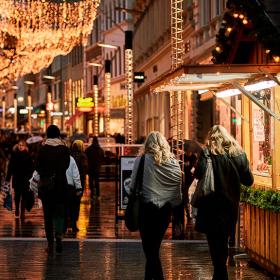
(177, 44)
(177, 97)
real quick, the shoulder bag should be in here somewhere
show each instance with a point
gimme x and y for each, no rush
(205, 185)
(132, 210)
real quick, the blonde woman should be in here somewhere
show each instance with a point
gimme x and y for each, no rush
(217, 212)
(161, 191)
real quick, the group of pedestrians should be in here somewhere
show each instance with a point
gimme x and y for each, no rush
(161, 193)
(63, 172)
(62, 177)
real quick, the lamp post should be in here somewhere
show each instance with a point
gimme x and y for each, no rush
(129, 82)
(15, 113)
(108, 96)
(95, 92)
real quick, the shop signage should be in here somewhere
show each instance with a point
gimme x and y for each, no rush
(258, 125)
(85, 104)
(23, 111)
(126, 167)
(139, 77)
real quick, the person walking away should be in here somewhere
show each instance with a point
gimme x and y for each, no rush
(217, 211)
(20, 168)
(77, 152)
(52, 162)
(95, 155)
(74, 193)
(190, 159)
(161, 191)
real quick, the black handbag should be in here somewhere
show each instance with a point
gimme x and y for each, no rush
(133, 207)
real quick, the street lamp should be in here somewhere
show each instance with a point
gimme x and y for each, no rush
(129, 82)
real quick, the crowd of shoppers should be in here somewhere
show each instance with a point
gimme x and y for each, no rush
(63, 172)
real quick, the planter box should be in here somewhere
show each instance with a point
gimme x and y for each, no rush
(261, 237)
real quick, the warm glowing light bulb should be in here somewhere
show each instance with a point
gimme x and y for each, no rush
(218, 49)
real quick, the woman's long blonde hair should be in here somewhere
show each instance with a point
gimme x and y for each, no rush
(157, 145)
(220, 141)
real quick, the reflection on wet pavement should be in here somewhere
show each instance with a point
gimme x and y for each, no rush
(97, 220)
(101, 249)
(111, 259)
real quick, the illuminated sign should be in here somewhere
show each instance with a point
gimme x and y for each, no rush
(23, 111)
(139, 77)
(85, 104)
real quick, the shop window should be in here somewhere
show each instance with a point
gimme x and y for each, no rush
(262, 124)
(229, 118)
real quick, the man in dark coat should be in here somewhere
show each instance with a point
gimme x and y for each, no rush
(95, 155)
(52, 163)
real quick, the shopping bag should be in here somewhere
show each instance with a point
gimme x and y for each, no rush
(205, 185)
(8, 203)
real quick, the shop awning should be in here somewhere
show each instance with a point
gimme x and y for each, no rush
(214, 78)
(71, 120)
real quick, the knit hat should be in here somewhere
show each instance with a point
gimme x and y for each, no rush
(53, 131)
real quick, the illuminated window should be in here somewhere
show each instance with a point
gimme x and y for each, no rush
(262, 126)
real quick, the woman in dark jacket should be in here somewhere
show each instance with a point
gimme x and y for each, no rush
(20, 168)
(95, 155)
(77, 152)
(218, 211)
(52, 162)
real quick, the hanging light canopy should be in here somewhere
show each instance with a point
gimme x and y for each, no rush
(34, 32)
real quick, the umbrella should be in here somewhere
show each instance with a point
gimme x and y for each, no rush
(79, 136)
(34, 139)
(192, 146)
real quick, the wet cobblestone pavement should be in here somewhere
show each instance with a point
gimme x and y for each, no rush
(101, 250)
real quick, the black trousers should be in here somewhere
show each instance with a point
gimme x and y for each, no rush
(218, 246)
(53, 219)
(72, 209)
(19, 200)
(94, 184)
(153, 224)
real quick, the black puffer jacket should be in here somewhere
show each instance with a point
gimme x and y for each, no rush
(219, 210)
(54, 159)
